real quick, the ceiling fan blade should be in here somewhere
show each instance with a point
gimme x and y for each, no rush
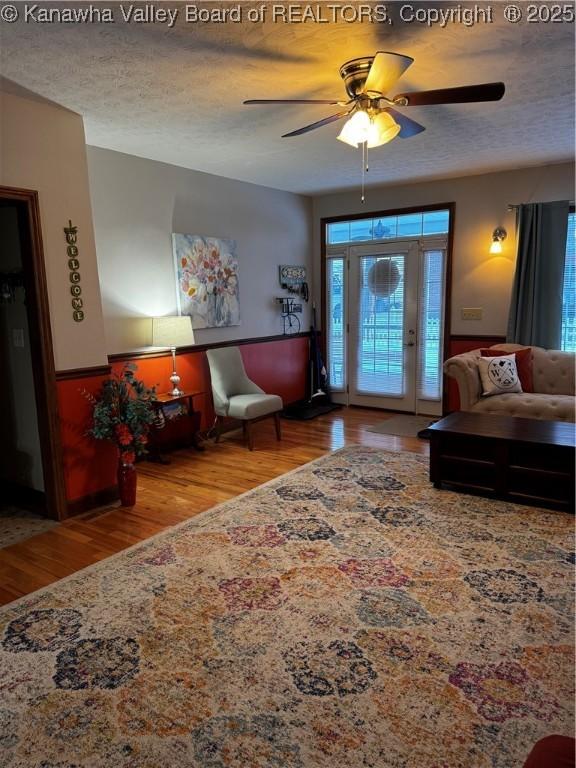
(318, 124)
(463, 95)
(385, 71)
(292, 101)
(408, 127)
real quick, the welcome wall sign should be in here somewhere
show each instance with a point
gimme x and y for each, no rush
(74, 267)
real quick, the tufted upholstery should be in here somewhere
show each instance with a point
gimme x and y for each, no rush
(553, 397)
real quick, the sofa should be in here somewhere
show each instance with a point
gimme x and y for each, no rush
(553, 398)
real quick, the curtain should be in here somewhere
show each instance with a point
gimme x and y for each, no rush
(536, 305)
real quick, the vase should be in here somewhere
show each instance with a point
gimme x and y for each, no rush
(127, 484)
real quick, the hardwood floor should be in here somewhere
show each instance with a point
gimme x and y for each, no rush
(191, 483)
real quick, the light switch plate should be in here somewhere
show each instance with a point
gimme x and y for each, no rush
(471, 313)
(18, 337)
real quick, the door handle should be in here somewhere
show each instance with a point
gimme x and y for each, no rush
(410, 344)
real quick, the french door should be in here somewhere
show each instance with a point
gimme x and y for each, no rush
(385, 317)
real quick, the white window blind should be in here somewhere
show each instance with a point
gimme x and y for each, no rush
(335, 301)
(430, 330)
(568, 342)
(380, 358)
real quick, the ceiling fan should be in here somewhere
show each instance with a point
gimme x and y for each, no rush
(374, 120)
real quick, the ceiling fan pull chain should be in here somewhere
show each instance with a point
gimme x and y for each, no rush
(363, 169)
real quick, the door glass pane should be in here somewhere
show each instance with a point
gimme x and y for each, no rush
(430, 326)
(339, 232)
(361, 229)
(385, 227)
(335, 322)
(568, 341)
(410, 225)
(380, 359)
(436, 222)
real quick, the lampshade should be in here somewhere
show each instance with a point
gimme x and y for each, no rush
(360, 128)
(172, 331)
(383, 128)
(355, 130)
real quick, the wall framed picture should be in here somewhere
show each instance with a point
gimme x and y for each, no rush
(206, 270)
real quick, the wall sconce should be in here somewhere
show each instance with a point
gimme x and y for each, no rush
(498, 237)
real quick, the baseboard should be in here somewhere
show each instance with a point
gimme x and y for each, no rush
(92, 501)
(23, 496)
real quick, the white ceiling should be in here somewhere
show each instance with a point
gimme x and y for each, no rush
(175, 95)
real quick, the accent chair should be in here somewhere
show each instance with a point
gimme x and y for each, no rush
(238, 397)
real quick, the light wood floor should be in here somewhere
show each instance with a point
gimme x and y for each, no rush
(191, 483)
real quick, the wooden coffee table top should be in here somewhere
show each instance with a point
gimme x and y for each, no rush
(507, 428)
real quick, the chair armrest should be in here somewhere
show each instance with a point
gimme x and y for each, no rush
(220, 398)
(464, 369)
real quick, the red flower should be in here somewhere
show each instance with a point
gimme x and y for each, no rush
(123, 434)
(143, 439)
(128, 457)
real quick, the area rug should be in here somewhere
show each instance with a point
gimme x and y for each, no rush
(403, 425)
(346, 614)
(17, 525)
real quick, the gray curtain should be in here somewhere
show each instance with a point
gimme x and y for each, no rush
(536, 304)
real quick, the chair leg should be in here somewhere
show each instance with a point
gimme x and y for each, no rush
(248, 434)
(277, 424)
(219, 425)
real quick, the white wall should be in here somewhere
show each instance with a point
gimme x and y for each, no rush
(138, 204)
(478, 279)
(42, 147)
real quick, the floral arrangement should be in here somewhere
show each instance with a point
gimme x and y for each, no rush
(123, 413)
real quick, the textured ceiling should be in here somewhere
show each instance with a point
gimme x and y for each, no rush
(175, 95)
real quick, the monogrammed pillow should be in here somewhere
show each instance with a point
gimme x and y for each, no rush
(499, 375)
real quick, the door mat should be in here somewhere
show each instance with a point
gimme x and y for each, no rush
(305, 411)
(403, 425)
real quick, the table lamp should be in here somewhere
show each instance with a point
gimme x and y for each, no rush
(174, 331)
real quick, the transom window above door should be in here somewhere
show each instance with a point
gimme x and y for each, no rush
(417, 224)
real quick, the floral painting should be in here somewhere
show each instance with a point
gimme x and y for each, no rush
(207, 280)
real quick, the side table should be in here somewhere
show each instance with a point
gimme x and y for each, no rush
(171, 408)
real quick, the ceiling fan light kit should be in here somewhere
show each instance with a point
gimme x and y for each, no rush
(373, 119)
(372, 131)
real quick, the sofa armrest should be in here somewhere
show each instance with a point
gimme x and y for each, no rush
(464, 369)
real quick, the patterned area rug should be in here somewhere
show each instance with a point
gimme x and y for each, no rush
(346, 614)
(18, 524)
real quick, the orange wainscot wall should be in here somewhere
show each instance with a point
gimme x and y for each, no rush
(279, 366)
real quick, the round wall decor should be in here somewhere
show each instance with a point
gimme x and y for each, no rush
(383, 278)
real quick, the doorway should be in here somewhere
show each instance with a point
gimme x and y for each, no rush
(385, 309)
(32, 474)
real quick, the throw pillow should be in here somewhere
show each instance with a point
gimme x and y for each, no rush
(523, 364)
(499, 375)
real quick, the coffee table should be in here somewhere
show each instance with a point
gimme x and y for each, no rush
(523, 460)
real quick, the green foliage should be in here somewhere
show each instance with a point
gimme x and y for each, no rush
(123, 413)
